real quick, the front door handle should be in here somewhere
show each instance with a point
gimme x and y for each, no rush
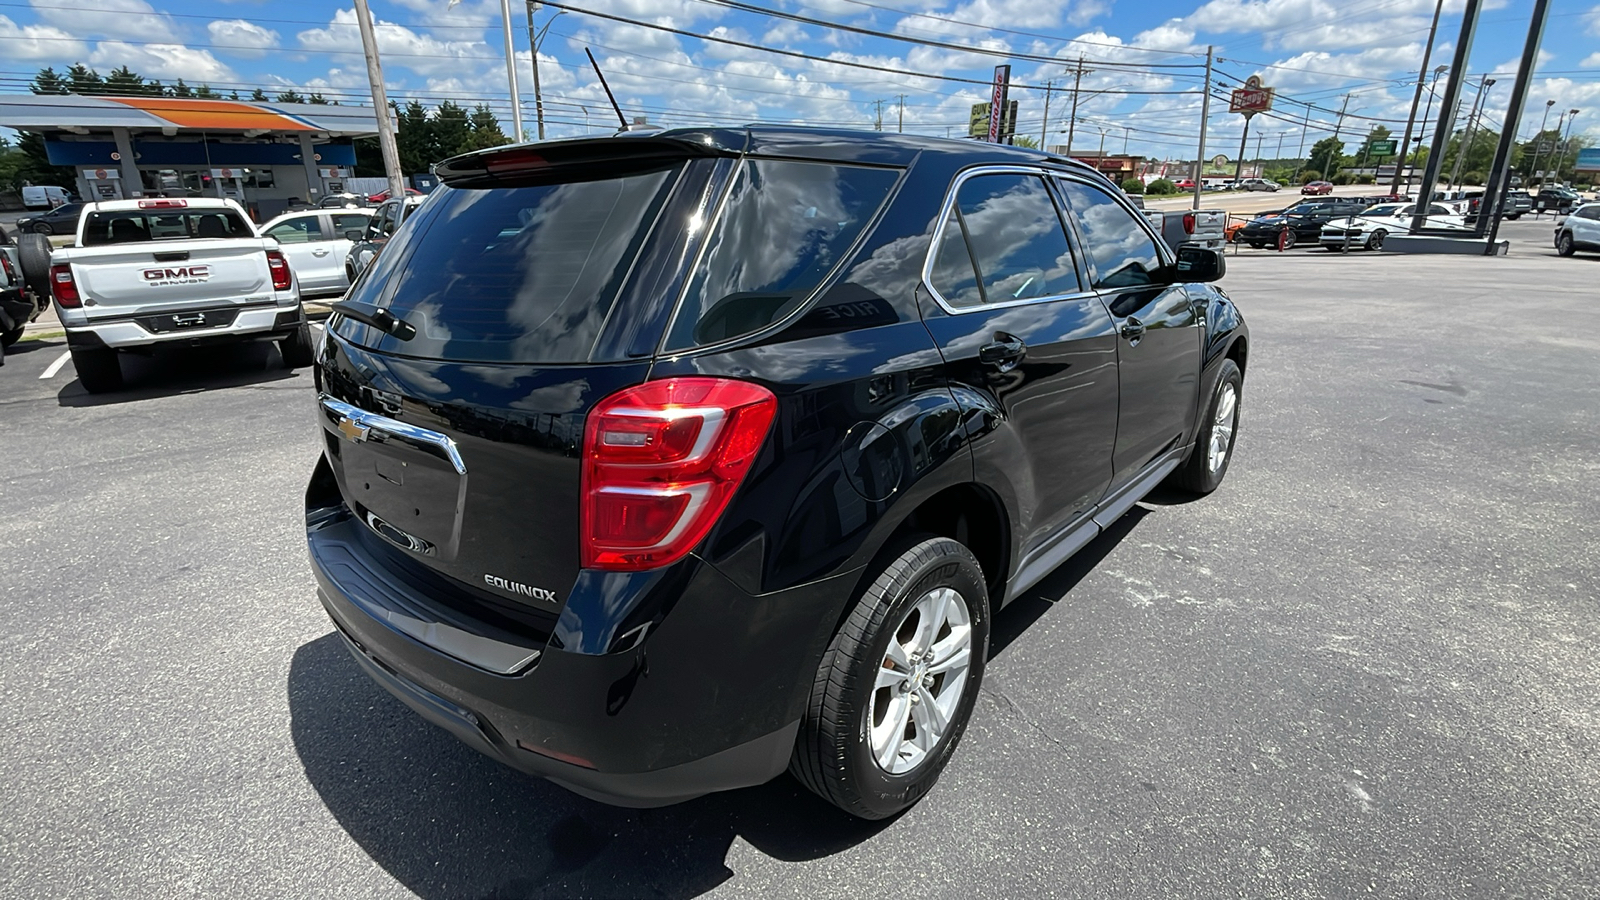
(1133, 330)
(1004, 351)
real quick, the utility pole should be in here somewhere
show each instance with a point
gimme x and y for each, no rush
(1077, 81)
(1045, 128)
(1205, 113)
(901, 127)
(1238, 165)
(511, 72)
(877, 124)
(380, 102)
(1338, 126)
(1422, 75)
(535, 38)
(1305, 131)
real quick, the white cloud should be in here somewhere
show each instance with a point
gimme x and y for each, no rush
(131, 19)
(399, 46)
(162, 61)
(1591, 61)
(242, 38)
(38, 42)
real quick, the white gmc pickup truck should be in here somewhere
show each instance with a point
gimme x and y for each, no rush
(171, 271)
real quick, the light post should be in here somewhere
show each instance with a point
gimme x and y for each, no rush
(1538, 141)
(1466, 139)
(1428, 114)
(1562, 159)
(535, 41)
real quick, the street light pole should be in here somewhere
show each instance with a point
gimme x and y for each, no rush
(1538, 141)
(1466, 139)
(1562, 159)
(1422, 75)
(511, 71)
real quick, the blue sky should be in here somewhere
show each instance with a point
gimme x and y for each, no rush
(1145, 60)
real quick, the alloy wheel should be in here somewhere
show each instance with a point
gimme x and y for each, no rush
(920, 681)
(1222, 427)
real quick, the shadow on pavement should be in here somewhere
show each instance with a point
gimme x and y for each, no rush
(185, 370)
(34, 346)
(447, 822)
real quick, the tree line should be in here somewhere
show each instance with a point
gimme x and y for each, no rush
(424, 136)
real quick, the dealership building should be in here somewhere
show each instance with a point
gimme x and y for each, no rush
(268, 156)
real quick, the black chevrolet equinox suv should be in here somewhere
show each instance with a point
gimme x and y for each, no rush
(658, 464)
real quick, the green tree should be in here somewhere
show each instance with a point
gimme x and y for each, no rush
(1365, 156)
(369, 158)
(1327, 155)
(204, 92)
(317, 99)
(1132, 186)
(180, 90)
(1023, 140)
(48, 81)
(84, 80)
(258, 95)
(38, 169)
(452, 133)
(1161, 186)
(290, 96)
(485, 129)
(415, 138)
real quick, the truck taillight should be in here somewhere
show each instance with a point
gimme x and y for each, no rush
(661, 460)
(280, 270)
(1188, 223)
(64, 288)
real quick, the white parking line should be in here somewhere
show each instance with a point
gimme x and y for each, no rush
(56, 366)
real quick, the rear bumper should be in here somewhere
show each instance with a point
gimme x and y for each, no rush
(251, 323)
(707, 697)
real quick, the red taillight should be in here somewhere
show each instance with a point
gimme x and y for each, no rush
(518, 160)
(280, 270)
(64, 288)
(5, 263)
(1188, 223)
(661, 460)
(163, 204)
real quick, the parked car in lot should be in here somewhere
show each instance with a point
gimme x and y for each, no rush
(61, 220)
(1315, 188)
(317, 243)
(1184, 184)
(143, 273)
(1259, 184)
(1302, 221)
(383, 196)
(656, 465)
(1200, 227)
(1579, 231)
(1555, 198)
(380, 227)
(1371, 228)
(342, 201)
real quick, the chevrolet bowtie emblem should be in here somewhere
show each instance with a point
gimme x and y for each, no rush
(353, 430)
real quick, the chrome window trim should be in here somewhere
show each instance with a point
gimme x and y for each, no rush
(439, 444)
(944, 216)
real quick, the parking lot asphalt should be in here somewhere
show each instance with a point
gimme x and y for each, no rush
(1367, 664)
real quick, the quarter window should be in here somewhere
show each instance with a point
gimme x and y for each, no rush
(1003, 241)
(349, 222)
(297, 231)
(1124, 254)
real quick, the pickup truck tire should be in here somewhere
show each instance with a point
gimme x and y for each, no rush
(33, 253)
(1204, 470)
(11, 337)
(296, 348)
(99, 370)
(836, 754)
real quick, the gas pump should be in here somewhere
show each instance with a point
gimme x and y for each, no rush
(104, 184)
(228, 183)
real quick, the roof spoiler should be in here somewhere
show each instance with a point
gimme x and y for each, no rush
(523, 161)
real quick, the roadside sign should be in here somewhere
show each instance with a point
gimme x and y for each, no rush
(1589, 159)
(1382, 148)
(978, 120)
(1546, 146)
(997, 101)
(1252, 98)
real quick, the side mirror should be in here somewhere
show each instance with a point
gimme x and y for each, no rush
(353, 235)
(1200, 264)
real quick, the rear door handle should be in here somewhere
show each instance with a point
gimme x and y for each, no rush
(1133, 329)
(323, 251)
(1005, 350)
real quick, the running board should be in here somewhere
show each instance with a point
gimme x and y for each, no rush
(1075, 537)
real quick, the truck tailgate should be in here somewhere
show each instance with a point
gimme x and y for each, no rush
(173, 273)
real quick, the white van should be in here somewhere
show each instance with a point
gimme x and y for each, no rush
(44, 196)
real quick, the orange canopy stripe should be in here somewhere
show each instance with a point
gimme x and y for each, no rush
(222, 115)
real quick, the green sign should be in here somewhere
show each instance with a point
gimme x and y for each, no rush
(1382, 148)
(978, 120)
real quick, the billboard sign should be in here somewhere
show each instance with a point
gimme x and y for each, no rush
(997, 101)
(1252, 98)
(1382, 148)
(1589, 159)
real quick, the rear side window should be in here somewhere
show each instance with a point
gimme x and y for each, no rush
(785, 225)
(345, 222)
(520, 274)
(1124, 254)
(1003, 241)
(137, 225)
(296, 231)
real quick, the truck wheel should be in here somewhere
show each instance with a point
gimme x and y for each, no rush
(1208, 462)
(897, 684)
(11, 337)
(33, 252)
(99, 370)
(296, 348)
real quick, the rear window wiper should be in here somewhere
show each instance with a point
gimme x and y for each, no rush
(376, 316)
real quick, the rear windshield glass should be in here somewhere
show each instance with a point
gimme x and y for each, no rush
(523, 274)
(136, 225)
(785, 226)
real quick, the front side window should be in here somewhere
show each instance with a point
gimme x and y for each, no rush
(1123, 253)
(1002, 241)
(785, 225)
(345, 222)
(296, 231)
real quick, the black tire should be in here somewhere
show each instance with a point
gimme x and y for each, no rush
(1514, 216)
(1376, 241)
(99, 370)
(11, 337)
(1257, 244)
(833, 755)
(1289, 240)
(297, 349)
(33, 253)
(1196, 474)
(43, 228)
(1564, 244)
